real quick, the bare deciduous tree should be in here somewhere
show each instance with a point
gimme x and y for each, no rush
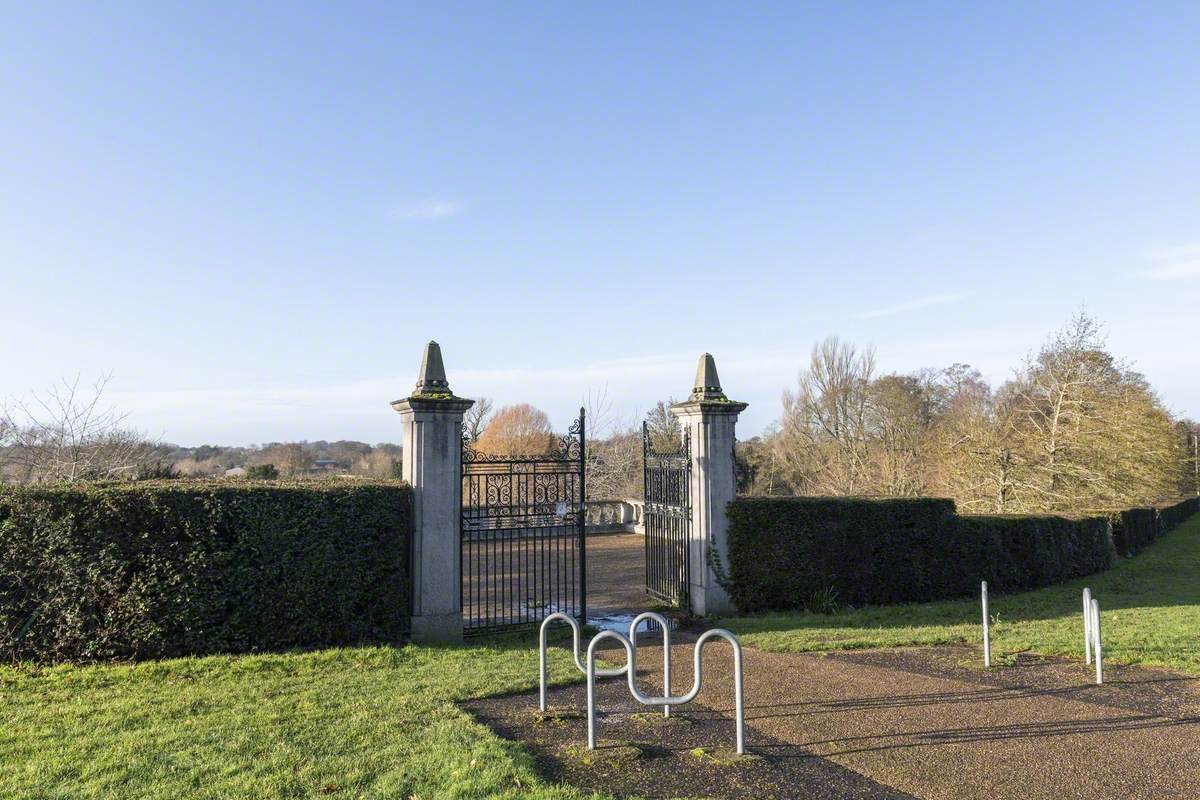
(823, 436)
(614, 465)
(476, 419)
(292, 459)
(378, 463)
(1091, 432)
(1188, 433)
(663, 426)
(1075, 430)
(614, 450)
(972, 444)
(68, 434)
(898, 421)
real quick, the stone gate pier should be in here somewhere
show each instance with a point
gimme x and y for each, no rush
(709, 418)
(431, 464)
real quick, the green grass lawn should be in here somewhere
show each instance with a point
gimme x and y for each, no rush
(362, 722)
(1150, 607)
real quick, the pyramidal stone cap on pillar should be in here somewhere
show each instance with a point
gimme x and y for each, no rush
(432, 386)
(707, 385)
(706, 389)
(432, 378)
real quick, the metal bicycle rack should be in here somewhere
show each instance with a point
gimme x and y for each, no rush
(662, 622)
(630, 670)
(668, 700)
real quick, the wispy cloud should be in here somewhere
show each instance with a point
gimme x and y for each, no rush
(432, 209)
(1173, 263)
(928, 301)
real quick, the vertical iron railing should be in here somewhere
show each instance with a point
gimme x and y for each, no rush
(522, 551)
(581, 518)
(666, 480)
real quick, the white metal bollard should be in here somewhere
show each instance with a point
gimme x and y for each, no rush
(1096, 645)
(631, 655)
(987, 641)
(1087, 625)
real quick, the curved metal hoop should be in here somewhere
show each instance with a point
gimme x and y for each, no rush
(668, 700)
(666, 647)
(574, 623)
(606, 671)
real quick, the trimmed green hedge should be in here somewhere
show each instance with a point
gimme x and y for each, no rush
(819, 552)
(152, 570)
(1134, 529)
(1173, 515)
(1013, 552)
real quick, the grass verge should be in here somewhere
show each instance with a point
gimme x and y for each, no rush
(1150, 606)
(361, 722)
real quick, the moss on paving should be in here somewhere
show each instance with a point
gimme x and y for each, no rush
(556, 716)
(607, 753)
(722, 756)
(1150, 606)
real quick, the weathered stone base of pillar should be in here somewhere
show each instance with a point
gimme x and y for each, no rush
(711, 600)
(437, 629)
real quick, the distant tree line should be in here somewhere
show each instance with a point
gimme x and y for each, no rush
(67, 433)
(290, 459)
(1075, 429)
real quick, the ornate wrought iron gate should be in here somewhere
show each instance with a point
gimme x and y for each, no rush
(523, 549)
(666, 476)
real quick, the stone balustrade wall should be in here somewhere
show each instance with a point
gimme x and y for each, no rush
(614, 516)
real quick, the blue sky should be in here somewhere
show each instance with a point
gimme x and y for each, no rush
(254, 217)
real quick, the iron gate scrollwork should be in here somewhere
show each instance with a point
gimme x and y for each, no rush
(666, 476)
(523, 550)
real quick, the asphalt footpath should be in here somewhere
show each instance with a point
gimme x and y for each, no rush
(931, 723)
